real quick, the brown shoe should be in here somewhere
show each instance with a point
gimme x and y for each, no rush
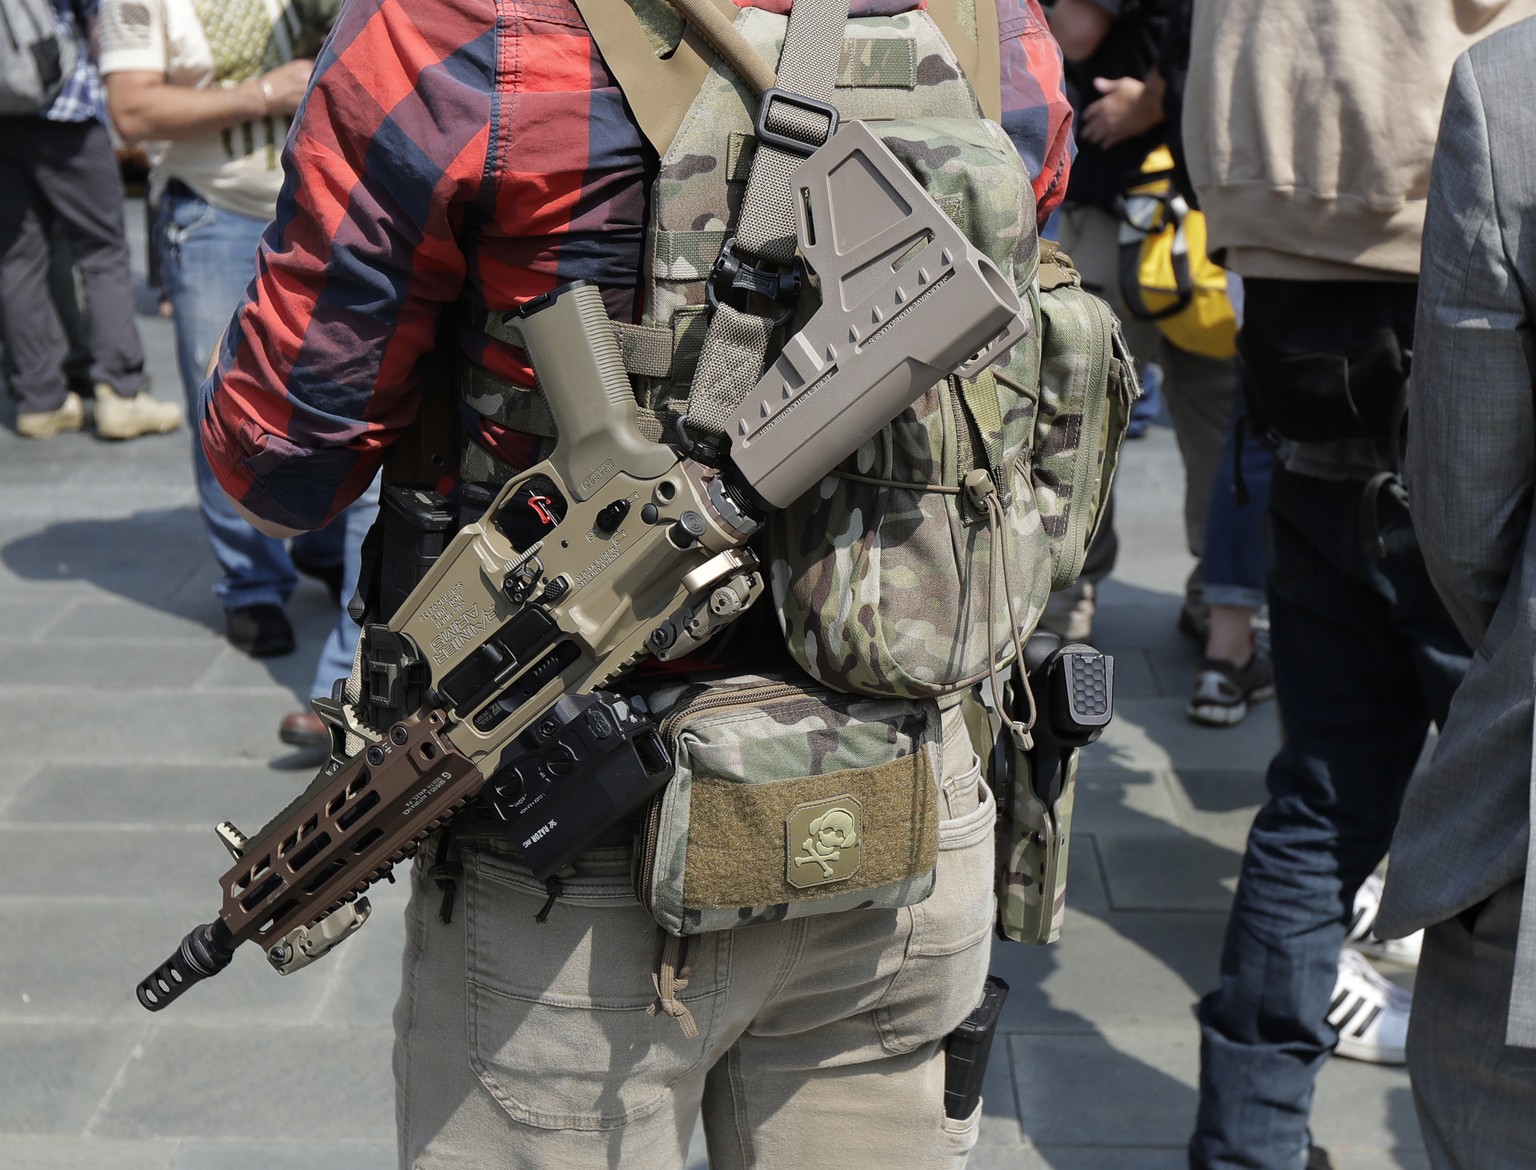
(44, 424)
(303, 729)
(118, 417)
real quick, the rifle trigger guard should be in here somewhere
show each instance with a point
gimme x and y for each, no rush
(743, 281)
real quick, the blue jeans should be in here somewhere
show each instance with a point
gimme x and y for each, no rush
(207, 258)
(341, 643)
(1365, 657)
(1234, 561)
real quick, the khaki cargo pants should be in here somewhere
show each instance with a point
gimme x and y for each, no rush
(520, 1045)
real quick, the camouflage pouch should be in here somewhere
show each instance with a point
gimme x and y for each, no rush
(1087, 386)
(890, 576)
(788, 800)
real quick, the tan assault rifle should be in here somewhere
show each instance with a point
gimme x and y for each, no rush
(641, 552)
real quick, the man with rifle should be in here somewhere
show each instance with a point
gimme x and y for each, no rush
(488, 180)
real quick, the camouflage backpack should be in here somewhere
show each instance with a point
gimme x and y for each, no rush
(902, 573)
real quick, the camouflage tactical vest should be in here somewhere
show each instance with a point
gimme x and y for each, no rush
(904, 571)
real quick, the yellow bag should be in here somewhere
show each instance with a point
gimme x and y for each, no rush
(1165, 275)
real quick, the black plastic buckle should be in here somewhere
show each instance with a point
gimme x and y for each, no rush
(783, 141)
(743, 281)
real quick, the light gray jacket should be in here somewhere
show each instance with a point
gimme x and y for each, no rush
(1465, 830)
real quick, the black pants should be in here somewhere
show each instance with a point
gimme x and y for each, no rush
(63, 173)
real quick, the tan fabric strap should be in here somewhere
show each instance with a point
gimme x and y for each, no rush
(659, 90)
(978, 52)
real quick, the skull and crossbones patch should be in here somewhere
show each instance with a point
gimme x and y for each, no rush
(824, 842)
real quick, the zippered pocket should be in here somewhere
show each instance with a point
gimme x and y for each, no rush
(789, 799)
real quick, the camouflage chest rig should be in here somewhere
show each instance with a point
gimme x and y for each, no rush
(910, 571)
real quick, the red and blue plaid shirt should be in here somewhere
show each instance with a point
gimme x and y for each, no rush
(462, 150)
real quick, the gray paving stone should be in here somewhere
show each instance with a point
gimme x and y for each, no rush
(104, 665)
(189, 795)
(1077, 1158)
(1365, 1107)
(143, 556)
(1153, 734)
(80, 960)
(1116, 799)
(1162, 869)
(172, 726)
(270, 1155)
(1218, 806)
(53, 1076)
(1000, 1127)
(1379, 1159)
(115, 620)
(15, 775)
(328, 1085)
(23, 616)
(1119, 973)
(1132, 1089)
(1134, 676)
(54, 1153)
(1131, 618)
(107, 863)
(1004, 1158)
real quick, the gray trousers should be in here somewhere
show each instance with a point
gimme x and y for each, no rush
(63, 173)
(1476, 1095)
(1200, 389)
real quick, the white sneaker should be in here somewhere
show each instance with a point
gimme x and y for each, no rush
(1370, 1012)
(1362, 935)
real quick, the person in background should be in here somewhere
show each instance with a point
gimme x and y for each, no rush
(1461, 853)
(1112, 48)
(58, 168)
(213, 87)
(1279, 99)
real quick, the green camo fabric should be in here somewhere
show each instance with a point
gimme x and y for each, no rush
(881, 588)
(753, 748)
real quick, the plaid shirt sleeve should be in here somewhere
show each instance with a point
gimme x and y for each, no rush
(324, 360)
(1036, 112)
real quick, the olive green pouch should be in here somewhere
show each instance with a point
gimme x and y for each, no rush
(789, 800)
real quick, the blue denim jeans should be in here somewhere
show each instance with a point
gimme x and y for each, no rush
(1234, 560)
(341, 643)
(1365, 657)
(207, 258)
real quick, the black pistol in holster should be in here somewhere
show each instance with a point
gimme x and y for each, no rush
(1073, 687)
(491, 680)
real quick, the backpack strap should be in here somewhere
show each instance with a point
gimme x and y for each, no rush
(659, 90)
(796, 116)
(970, 27)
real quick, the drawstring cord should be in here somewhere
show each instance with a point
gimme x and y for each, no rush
(983, 493)
(670, 978)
